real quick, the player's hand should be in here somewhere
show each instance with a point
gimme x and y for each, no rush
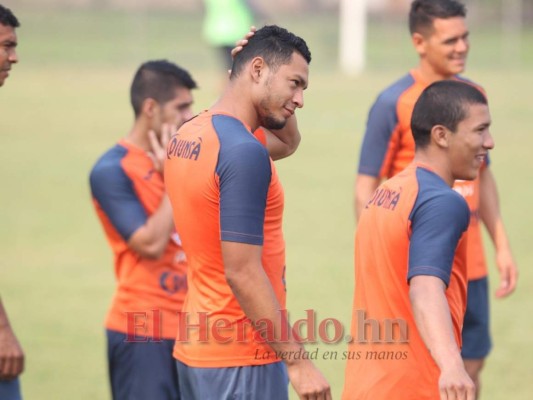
(455, 384)
(508, 273)
(308, 381)
(158, 152)
(239, 44)
(11, 354)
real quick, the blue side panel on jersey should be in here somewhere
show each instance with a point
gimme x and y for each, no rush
(114, 192)
(244, 173)
(438, 219)
(382, 121)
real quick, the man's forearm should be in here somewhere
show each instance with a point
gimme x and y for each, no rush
(256, 297)
(152, 238)
(282, 143)
(433, 319)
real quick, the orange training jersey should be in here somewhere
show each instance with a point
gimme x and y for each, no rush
(388, 147)
(412, 226)
(223, 187)
(126, 190)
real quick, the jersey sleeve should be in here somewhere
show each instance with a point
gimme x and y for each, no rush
(381, 123)
(244, 176)
(436, 228)
(114, 192)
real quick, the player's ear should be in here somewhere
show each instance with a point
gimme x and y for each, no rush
(419, 43)
(257, 68)
(149, 106)
(440, 135)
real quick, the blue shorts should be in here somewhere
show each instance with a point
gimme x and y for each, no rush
(476, 327)
(10, 390)
(141, 370)
(257, 382)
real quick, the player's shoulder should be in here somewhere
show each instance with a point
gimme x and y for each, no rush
(391, 94)
(108, 168)
(235, 137)
(435, 191)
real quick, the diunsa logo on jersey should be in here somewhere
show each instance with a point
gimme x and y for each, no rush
(182, 148)
(385, 198)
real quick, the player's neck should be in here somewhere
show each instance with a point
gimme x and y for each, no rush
(428, 74)
(235, 103)
(437, 164)
(138, 136)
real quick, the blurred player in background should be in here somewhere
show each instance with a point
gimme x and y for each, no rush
(225, 22)
(150, 265)
(440, 37)
(228, 205)
(11, 354)
(411, 261)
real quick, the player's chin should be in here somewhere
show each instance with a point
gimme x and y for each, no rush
(468, 173)
(272, 122)
(458, 67)
(472, 173)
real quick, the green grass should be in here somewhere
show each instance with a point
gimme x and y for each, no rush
(67, 102)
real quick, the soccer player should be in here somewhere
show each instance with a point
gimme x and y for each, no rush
(11, 354)
(440, 36)
(150, 265)
(410, 258)
(234, 340)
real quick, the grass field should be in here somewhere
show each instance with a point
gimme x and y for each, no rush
(67, 102)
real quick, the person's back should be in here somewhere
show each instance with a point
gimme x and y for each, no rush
(202, 158)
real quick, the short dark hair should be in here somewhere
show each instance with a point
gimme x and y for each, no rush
(275, 44)
(7, 18)
(158, 80)
(442, 103)
(423, 12)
